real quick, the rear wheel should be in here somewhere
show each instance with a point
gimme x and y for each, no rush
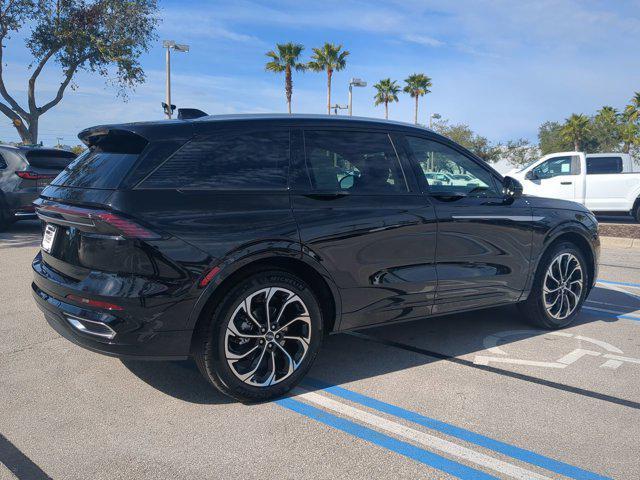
(636, 212)
(262, 338)
(560, 287)
(6, 219)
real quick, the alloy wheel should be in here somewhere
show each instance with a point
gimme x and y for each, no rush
(267, 336)
(562, 287)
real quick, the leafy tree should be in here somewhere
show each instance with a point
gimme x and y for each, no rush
(387, 92)
(78, 149)
(550, 138)
(463, 135)
(520, 152)
(575, 129)
(330, 58)
(285, 60)
(606, 129)
(75, 35)
(632, 111)
(416, 86)
(629, 136)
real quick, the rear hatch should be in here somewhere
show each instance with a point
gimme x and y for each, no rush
(83, 232)
(44, 165)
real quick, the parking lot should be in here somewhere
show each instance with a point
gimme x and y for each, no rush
(480, 395)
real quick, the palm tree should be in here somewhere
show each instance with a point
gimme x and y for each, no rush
(632, 111)
(575, 129)
(331, 59)
(418, 85)
(287, 58)
(387, 92)
(629, 135)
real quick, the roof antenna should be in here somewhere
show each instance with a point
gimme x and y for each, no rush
(190, 113)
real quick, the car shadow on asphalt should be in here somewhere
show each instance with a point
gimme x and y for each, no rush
(345, 358)
(25, 233)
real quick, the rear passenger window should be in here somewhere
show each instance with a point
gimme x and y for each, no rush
(596, 165)
(357, 162)
(244, 161)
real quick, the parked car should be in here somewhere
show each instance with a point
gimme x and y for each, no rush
(24, 172)
(232, 240)
(607, 183)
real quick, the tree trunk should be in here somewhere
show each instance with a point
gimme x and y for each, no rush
(576, 145)
(329, 74)
(415, 116)
(386, 110)
(288, 87)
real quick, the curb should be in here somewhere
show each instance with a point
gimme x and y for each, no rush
(620, 242)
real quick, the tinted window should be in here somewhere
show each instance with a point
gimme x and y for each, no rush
(449, 172)
(52, 159)
(257, 160)
(96, 169)
(554, 167)
(597, 165)
(356, 162)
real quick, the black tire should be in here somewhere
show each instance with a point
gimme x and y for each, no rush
(6, 219)
(534, 307)
(210, 353)
(636, 213)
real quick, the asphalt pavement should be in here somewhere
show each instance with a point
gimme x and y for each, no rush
(478, 395)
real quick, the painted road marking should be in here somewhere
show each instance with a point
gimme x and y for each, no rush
(492, 344)
(611, 314)
(403, 448)
(624, 284)
(422, 438)
(514, 452)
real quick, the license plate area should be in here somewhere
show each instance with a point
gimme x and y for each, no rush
(48, 237)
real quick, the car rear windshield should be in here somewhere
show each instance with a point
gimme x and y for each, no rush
(52, 159)
(98, 169)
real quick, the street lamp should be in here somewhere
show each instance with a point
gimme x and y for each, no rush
(355, 82)
(170, 44)
(337, 107)
(436, 116)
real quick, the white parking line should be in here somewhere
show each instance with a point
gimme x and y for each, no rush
(419, 437)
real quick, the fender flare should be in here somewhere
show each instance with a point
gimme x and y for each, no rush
(239, 259)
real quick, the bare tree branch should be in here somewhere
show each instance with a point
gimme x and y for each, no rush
(65, 83)
(17, 121)
(31, 93)
(3, 90)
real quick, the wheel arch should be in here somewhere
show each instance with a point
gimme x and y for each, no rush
(303, 266)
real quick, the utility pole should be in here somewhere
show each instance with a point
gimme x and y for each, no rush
(169, 45)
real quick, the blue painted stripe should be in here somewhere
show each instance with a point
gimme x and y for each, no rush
(626, 284)
(466, 435)
(431, 459)
(594, 312)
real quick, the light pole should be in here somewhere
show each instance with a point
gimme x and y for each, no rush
(337, 107)
(437, 116)
(355, 82)
(171, 44)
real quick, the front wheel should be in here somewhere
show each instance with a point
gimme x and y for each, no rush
(262, 338)
(636, 213)
(559, 289)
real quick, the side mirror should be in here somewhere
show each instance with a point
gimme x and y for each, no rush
(511, 187)
(530, 175)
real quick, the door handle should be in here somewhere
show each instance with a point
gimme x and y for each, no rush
(326, 195)
(566, 183)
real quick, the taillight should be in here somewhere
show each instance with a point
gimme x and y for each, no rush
(93, 303)
(100, 219)
(27, 175)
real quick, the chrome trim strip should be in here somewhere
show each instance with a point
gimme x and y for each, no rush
(515, 218)
(60, 221)
(76, 322)
(25, 214)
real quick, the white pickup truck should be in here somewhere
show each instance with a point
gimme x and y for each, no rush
(603, 182)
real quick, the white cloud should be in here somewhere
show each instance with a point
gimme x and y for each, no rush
(422, 40)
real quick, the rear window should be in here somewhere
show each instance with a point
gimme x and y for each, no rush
(96, 169)
(243, 161)
(53, 159)
(597, 165)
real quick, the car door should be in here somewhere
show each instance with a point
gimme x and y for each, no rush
(361, 215)
(556, 177)
(484, 240)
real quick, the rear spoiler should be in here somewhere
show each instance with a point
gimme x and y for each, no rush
(113, 139)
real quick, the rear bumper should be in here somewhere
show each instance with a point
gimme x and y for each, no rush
(137, 340)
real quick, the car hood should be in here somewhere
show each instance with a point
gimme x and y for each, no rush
(555, 203)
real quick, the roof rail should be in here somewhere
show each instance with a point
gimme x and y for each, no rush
(190, 113)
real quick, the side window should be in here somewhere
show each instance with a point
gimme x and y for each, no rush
(244, 161)
(356, 162)
(596, 165)
(449, 172)
(555, 167)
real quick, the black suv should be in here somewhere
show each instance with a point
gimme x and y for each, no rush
(241, 240)
(24, 172)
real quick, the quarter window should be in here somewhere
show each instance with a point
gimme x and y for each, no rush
(596, 165)
(356, 162)
(243, 161)
(449, 172)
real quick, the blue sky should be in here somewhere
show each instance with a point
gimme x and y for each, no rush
(501, 66)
